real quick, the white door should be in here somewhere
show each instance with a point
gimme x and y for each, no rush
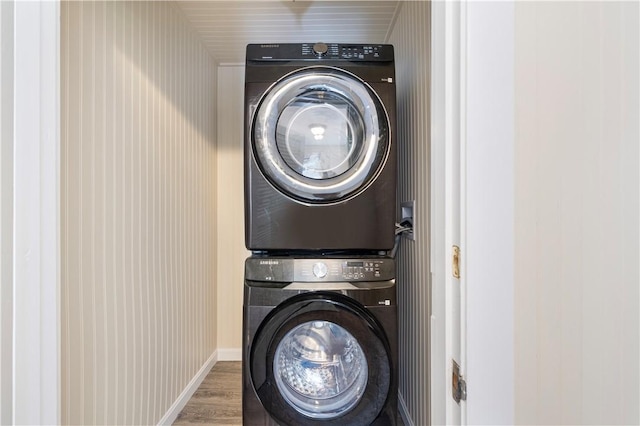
(488, 60)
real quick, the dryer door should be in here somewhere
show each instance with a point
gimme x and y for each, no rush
(321, 359)
(320, 135)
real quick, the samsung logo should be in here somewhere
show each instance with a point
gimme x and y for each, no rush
(269, 45)
(269, 262)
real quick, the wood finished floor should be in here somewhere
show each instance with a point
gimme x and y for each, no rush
(218, 400)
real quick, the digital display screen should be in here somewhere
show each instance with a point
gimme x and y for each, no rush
(356, 264)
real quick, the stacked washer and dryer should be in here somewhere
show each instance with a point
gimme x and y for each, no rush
(320, 316)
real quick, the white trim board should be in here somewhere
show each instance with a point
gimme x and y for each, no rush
(36, 213)
(446, 104)
(189, 390)
(6, 213)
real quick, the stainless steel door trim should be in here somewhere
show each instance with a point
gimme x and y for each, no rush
(375, 143)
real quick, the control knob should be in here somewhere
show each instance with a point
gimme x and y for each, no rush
(320, 49)
(320, 270)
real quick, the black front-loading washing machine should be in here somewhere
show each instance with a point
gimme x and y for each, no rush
(319, 341)
(320, 149)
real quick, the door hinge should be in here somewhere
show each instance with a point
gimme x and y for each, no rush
(455, 262)
(458, 384)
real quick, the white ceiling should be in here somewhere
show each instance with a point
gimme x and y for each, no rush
(226, 27)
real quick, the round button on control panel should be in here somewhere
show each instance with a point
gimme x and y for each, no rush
(320, 270)
(320, 49)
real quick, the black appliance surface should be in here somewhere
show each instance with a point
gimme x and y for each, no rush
(320, 147)
(319, 341)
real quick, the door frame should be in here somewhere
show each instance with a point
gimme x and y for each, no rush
(447, 159)
(30, 279)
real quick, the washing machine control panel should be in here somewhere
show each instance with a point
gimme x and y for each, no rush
(284, 269)
(361, 269)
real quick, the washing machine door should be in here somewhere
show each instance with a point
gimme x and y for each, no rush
(320, 135)
(321, 359)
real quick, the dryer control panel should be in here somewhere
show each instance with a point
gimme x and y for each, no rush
(319, 52)
(287, 269)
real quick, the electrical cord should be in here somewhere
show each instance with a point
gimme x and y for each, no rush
(401, 228)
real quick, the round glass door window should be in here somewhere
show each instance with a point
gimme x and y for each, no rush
(320, 369)
(320, 135)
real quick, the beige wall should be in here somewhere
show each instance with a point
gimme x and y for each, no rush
(138, 182)
(410, 37)
(232, 252)
(576, 213)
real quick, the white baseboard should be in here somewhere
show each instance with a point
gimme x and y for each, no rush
(188, 392)
(404, 412)
(230, 354)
